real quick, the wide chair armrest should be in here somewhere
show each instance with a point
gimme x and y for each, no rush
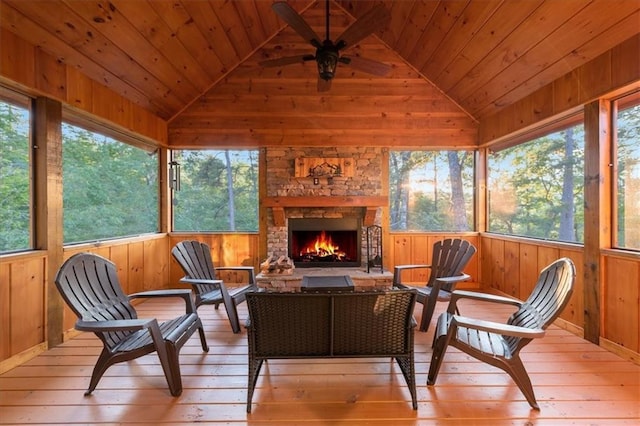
(397, 271)
(174, 292)
(249, 269)
(186, 280)
(184, 294)
(483, 297)
(114, 325)
(496, 327)
(451, 280)
(417, 266)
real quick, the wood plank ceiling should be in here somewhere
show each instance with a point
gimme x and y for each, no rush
(195, 64)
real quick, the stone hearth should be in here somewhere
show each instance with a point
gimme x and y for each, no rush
(291, 282)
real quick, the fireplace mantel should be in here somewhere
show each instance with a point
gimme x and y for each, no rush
(370, 203)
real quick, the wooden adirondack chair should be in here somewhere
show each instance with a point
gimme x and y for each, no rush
(89, 285)
(195, 259)
(500, 344)
(449, 258)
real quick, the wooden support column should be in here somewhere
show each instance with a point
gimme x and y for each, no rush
(47, 159)
(481, 190)
(597, 212)
(166, 193)
(262, 209)
(384, 217)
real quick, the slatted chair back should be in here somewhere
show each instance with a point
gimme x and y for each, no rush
(449, 258)
(195, 259)
(90, 286)
(549, 297)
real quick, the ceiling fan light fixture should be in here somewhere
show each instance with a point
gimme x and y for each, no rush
(327, 53)
(327, 60)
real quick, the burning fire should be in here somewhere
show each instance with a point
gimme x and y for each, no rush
(323, 247)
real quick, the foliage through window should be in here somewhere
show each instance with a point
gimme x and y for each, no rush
(536, 188)
(431, 190)
(627, 122)
(218, 191)
(110, 188)
(15, 189)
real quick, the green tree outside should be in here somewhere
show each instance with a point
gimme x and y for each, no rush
(110, 188)
(431, 190)
(15, 208)
(536, 189)
(218, 191)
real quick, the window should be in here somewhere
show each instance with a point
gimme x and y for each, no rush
(218, 191)
(627, 123)
(536, 188)
(431, 190)
(110, 188)
(15, 186)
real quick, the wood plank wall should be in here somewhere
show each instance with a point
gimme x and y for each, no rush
(610, 71)
(23, 280)
(226, 250)
(511, 266)
(40, 74)
(408, 248)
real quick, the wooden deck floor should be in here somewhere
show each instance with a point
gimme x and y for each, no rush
(575, 382)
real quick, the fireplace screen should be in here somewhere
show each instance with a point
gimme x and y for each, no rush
(325, 242)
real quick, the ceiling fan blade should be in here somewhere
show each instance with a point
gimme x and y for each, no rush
(375, 19)
(323, 85)
(368, 65)
(295, 21)
(287, 60)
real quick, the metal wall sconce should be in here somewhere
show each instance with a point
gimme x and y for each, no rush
(174, 175)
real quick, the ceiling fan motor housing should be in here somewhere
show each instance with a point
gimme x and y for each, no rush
(327, 58)
(327, 53)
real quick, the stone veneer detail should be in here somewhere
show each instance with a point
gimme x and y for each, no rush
(282, 183)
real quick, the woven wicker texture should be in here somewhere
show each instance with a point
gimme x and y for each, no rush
(331, 325)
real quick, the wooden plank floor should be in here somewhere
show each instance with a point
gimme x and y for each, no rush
(575, 382)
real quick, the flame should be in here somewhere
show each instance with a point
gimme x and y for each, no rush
(323, 246)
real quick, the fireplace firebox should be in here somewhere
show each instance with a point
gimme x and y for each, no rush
(325, 242)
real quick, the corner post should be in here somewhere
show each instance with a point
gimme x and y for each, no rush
(47, 173)
(597, 213)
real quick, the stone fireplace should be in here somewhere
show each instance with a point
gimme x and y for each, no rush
(294, 195)
(299, 190)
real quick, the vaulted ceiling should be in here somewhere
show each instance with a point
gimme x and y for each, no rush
(467, 57)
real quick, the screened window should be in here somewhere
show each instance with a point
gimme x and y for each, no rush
(218, 191)
(110, 188)
(627, 120)
(431, 190)
(536, 188)
(15, 187)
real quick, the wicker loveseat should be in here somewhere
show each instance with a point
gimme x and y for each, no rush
(371, 324)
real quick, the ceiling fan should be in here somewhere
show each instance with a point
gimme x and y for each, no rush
(327, 54)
